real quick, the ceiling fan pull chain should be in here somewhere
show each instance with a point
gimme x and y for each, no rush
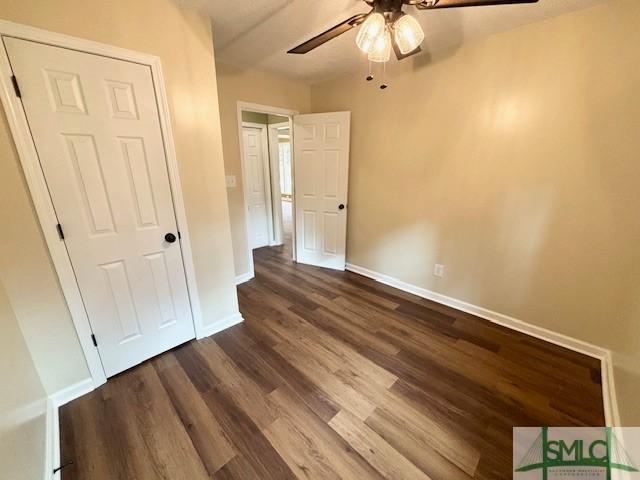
(384, 85)
(370, 76)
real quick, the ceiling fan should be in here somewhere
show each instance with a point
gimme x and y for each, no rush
(386, 27)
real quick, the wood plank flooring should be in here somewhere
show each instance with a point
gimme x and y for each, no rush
(331, 376)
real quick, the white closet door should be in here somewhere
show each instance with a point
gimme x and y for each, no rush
(256, 182)
(94, 121)
(321, 176)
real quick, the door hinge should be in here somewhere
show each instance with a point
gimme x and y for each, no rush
(60, 232)
(16, 87)
(179, 235)
(93, 339)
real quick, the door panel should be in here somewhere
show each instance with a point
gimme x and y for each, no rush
(119, 285)
(133, 153)
(95, 124)
(162, 287)
(83, 159)
(321, 156)
(258, 194)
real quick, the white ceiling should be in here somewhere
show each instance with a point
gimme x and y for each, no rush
(257, 33)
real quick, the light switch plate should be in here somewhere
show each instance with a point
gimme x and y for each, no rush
(231, 181)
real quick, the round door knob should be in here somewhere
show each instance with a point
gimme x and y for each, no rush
(341, 206)
(170, 237)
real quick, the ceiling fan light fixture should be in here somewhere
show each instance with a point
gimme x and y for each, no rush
(372, 28)
(381, 51)
(408, 34)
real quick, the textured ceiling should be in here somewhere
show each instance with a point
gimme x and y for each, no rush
(257, 33)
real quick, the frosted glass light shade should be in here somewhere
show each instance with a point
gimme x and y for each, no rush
(369, 32)
(408, 33)
(381, 51)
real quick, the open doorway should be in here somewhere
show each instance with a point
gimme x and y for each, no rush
(280, 149)
(266, 151)
(305, 212)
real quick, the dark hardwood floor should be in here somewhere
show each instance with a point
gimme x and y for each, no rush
(331, 376)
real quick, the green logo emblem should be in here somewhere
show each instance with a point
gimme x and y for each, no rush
(605, 452)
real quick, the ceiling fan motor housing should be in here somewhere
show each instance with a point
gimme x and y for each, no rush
(387, 6)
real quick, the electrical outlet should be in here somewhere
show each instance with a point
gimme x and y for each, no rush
(438, 270)
(231, 181)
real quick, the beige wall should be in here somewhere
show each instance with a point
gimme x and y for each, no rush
(255, 117)
(183, 41)
(514, 161)
(255, 87)
(22, 403)
(262, 118)
(30, 281)
(277, 118)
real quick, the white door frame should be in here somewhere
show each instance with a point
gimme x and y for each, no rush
(258, 108)
(34, 175)
(266, 172)
(276, 193)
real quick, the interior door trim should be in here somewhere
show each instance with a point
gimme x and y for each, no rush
(34, 175)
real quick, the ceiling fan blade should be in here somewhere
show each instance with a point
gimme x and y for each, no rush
(399, 54)
(433, 4)
(329, 34)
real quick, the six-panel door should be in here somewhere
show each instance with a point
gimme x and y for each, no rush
(321, 176)
(95, 124)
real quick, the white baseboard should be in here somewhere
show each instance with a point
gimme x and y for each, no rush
(245, 277)
(61, 397)
(220, 325)
(52, 442)
(611, 412)
(602, 354)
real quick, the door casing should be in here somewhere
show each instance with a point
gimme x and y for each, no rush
(36, 182)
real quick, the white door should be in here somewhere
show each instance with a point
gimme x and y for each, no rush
(94, 121)
(256, 174)
(321, 177)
